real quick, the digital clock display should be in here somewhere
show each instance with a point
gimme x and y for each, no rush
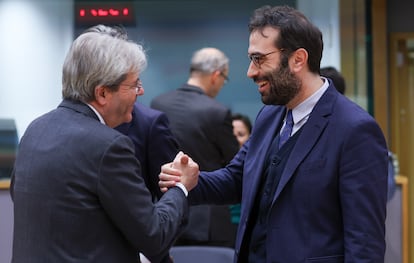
(109, 13)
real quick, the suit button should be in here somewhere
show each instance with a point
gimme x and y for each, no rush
(276, 161)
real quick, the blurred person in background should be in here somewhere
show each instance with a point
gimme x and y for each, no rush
(203, 129)
(242, 127)
(336, 77)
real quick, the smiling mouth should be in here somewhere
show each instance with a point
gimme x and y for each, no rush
(261, 84)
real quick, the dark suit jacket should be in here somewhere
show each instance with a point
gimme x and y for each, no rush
(79, 196)
(330, 203)
(203, 129)
(154, 143)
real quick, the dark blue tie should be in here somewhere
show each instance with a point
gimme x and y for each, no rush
(287, 130)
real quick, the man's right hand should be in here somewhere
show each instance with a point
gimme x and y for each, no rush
(183, 169)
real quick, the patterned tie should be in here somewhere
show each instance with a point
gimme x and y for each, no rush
(287, 130)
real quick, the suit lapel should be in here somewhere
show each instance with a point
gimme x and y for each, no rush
(309, 136)
(261, 139)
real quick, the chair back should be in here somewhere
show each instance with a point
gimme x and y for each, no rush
(202, 254)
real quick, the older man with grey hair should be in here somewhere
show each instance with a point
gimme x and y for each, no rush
(77, 187)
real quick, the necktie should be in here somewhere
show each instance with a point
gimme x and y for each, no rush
(287, 130)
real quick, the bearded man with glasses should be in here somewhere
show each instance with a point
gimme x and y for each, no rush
(319, 197)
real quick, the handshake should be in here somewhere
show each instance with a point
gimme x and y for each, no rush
(182, 170)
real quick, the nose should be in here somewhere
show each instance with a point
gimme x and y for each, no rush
(140, 91)
(252, 70)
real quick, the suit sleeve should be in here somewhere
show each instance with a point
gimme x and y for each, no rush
(363, 192)
(127, 201)
(162, 149)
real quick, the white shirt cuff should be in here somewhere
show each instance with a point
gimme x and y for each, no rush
(182, 187)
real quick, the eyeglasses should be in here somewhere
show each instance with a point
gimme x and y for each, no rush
(258, 59)
(226, 78)
(137, 86)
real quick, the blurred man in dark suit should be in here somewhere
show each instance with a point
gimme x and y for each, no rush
(154, 143)
(336, 77)
(203, 128)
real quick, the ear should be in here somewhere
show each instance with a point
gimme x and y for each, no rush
(215, 75)
(101, 95)
(298, 60)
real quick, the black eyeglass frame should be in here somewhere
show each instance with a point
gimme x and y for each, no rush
(226, 78)
(258, 58)
(137, 86)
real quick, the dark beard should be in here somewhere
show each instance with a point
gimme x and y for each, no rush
(284, 86)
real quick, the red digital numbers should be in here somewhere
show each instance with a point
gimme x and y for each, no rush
(109, 13)
(103, 12)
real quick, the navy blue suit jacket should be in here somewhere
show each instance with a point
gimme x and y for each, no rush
(154, 143)
(330, 203)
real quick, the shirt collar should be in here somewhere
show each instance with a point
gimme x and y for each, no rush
(302, 111)
(97, 114)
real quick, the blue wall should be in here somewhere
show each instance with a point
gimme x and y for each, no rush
(172, 30)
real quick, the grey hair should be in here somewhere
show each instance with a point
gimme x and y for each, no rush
(114, 31)
(208, 60)
(97, 59)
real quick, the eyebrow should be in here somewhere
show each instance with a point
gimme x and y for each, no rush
(137, 81)
(257, 54)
